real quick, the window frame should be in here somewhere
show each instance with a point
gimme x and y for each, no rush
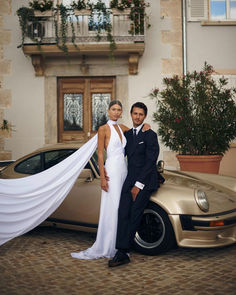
(228, 18)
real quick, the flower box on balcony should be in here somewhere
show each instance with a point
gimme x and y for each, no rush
(78, 12)
(116, 11)
(46, 13)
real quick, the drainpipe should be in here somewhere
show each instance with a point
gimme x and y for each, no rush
(184, 37)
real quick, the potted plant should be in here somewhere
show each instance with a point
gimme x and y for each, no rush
(42, 7)
(196, 114)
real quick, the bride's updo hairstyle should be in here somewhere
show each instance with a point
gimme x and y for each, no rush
(113, 102)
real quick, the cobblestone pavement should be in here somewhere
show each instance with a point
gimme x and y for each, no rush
(40, 263)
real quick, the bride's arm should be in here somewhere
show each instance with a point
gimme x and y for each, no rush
(101, 147)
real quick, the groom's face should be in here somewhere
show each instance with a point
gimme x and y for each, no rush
(138, 116)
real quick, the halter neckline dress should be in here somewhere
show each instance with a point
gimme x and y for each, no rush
(116, 168)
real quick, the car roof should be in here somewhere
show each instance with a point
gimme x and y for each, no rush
(63, 145)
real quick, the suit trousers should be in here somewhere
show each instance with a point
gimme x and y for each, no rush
(129, 217)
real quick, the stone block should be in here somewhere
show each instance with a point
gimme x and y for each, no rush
(172, 11)
(5, 155)
(4, 133)
(5, 67)
(5, 37)
(176, 51)
(171, 37)
(5, 7)
(5, 98)
(176, 24)
(171, 66)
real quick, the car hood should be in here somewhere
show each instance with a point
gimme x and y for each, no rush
(178, 193)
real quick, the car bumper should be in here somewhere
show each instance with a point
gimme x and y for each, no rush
(204, 231)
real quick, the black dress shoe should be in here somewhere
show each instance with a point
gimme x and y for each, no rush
(119, 259)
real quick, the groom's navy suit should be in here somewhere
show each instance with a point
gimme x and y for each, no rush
(142, 154)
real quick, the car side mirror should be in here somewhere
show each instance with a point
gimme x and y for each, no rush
(160, 166)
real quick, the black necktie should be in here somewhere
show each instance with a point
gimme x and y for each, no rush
(134, 134)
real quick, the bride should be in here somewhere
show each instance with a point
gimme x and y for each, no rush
(112, 139)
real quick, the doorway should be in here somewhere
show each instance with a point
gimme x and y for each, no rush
(82, 106)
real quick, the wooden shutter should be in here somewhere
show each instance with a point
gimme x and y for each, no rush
(197, 10)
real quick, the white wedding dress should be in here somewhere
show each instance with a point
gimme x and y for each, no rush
(116, 168)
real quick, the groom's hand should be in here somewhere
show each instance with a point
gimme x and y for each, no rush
(135, 190)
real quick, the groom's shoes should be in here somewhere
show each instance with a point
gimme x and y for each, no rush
(119, 259)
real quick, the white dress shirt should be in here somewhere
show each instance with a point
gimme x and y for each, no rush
(137, 183)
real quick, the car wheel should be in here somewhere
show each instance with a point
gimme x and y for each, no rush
(155, 233)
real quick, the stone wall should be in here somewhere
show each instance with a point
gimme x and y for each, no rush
(171, 36)
(171, 62)
(5, 68)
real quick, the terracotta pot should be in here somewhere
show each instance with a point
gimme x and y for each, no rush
(205, 164)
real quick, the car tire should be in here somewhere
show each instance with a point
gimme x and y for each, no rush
(155, 233)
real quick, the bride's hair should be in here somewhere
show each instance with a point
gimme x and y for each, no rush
(113, 102)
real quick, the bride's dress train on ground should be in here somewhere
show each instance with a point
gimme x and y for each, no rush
(26, 202)
(116, 168)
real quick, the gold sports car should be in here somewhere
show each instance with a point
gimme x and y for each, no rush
(189, 209)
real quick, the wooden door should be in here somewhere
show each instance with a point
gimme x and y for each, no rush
(82, 106)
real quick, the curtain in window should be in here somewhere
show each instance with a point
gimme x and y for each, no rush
(27, 202)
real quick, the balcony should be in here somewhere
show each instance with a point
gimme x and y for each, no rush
(86, 35)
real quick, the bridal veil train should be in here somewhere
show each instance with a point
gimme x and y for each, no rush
(26, 202)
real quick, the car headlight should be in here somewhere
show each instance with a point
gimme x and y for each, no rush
(201, 200)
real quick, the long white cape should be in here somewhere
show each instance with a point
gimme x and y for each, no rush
(26, 202)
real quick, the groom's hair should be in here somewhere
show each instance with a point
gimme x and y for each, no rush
(140, 105)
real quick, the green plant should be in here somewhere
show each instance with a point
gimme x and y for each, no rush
(24, 14)
(121, 5)
(6, 125)
(102, 21)
(196, 113)
(61, 31)
(41, 5)
(79, 4)
(99, 20)
(138, 15)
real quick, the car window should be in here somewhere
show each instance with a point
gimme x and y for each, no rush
(31, 165)
(94, 160)
(52, 158)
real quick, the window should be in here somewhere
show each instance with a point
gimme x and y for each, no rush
(52, 158)
(43, 161)
(31, 165)
(223, 9)
(212, 10)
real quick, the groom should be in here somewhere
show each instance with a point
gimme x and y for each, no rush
(142, 150)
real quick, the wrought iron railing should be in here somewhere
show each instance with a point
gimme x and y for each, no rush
(85, 28)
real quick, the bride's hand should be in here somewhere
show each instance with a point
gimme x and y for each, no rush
(146, 127)
(104, 184)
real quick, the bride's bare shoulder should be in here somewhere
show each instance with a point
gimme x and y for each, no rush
(103, 129)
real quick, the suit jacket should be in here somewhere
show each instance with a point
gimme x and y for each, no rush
(142, 157)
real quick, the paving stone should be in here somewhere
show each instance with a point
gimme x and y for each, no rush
(39, 262)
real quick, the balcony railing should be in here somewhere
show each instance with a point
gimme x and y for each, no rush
(83, 28)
